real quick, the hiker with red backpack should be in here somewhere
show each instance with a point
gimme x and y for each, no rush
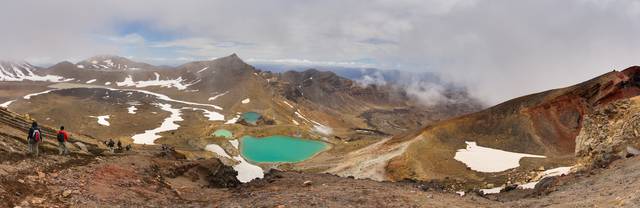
(62, 139)
(34, 138)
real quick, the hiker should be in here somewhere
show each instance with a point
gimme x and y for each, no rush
(63, 137)
(34, 138)
(119, 145)
(111, 144)
(128, 147)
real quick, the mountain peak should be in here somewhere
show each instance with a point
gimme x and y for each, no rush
(111, 62)
(232, 57)
(231, 60)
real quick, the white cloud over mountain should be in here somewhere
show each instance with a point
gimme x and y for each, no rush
(500, 48)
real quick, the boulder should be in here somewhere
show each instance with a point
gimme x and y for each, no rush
(82, 147)
(66, 193)
(307, 183)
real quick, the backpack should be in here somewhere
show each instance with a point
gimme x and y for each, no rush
(60, 137)
(36, 135)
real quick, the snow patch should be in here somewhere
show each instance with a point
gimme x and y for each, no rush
(91, 81)
(132, 109)
(488, 160)
(548, 173)
(233, 120)
(201, 70)
(301, 116)
(235, 143)
(27, 97)
(217, 96)
(169, 83)
(6, 104)
(217, 149)
(246, 171)
(169, 99)
(245, 101)
(17, 72)
(212, 115)
(149, 136)
(322, 129)
(285, 102)
(492, 190)
(107, 83)
(102, 120)
(80, 66)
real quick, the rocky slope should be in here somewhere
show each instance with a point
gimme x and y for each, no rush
(545, 123)
(609, 133)
(149, 176)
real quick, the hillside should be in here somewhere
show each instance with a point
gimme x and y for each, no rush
(151, 177)
(138, 103)
(544, 124)
(583, 131)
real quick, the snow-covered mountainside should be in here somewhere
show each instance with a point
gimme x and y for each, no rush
(182, 105)
(107, 62)
(21, 71)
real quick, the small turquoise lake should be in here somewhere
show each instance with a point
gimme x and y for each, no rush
(223, 133)
(279, 149)
(251, 117)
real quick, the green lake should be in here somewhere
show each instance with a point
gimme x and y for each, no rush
(279, 149)
(251, 117)
(223, 133)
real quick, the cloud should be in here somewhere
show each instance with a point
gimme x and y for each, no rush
(378, 41)
(500, 48)
(375, 78)
(309, 63)
(129, 39)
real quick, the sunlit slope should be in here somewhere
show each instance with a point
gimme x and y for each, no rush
(542, 124)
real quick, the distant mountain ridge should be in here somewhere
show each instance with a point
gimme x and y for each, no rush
(310, 98)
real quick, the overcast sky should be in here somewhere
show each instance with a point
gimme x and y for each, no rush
(499, 48)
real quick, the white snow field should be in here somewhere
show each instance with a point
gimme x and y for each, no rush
(6, 104)
(211, 115)
(233, 120)
(169, 124)
(17, 72)
(548, 173)
(169, 83)
(27, 97)
(102, 120)
(246, 170)
(488, 160)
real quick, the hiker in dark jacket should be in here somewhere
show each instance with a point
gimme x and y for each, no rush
(111, 144)
(63, 137)
(34, 137)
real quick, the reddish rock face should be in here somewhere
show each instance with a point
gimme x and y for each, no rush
(545, 123)
(559, 120)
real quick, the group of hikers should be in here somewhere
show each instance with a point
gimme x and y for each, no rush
(112, 146)
(35, 137)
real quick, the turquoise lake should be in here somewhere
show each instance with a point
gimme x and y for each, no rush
(251, 117)
(279, 149)
(223, 133)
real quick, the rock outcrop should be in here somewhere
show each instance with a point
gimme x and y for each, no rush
(609, 133)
